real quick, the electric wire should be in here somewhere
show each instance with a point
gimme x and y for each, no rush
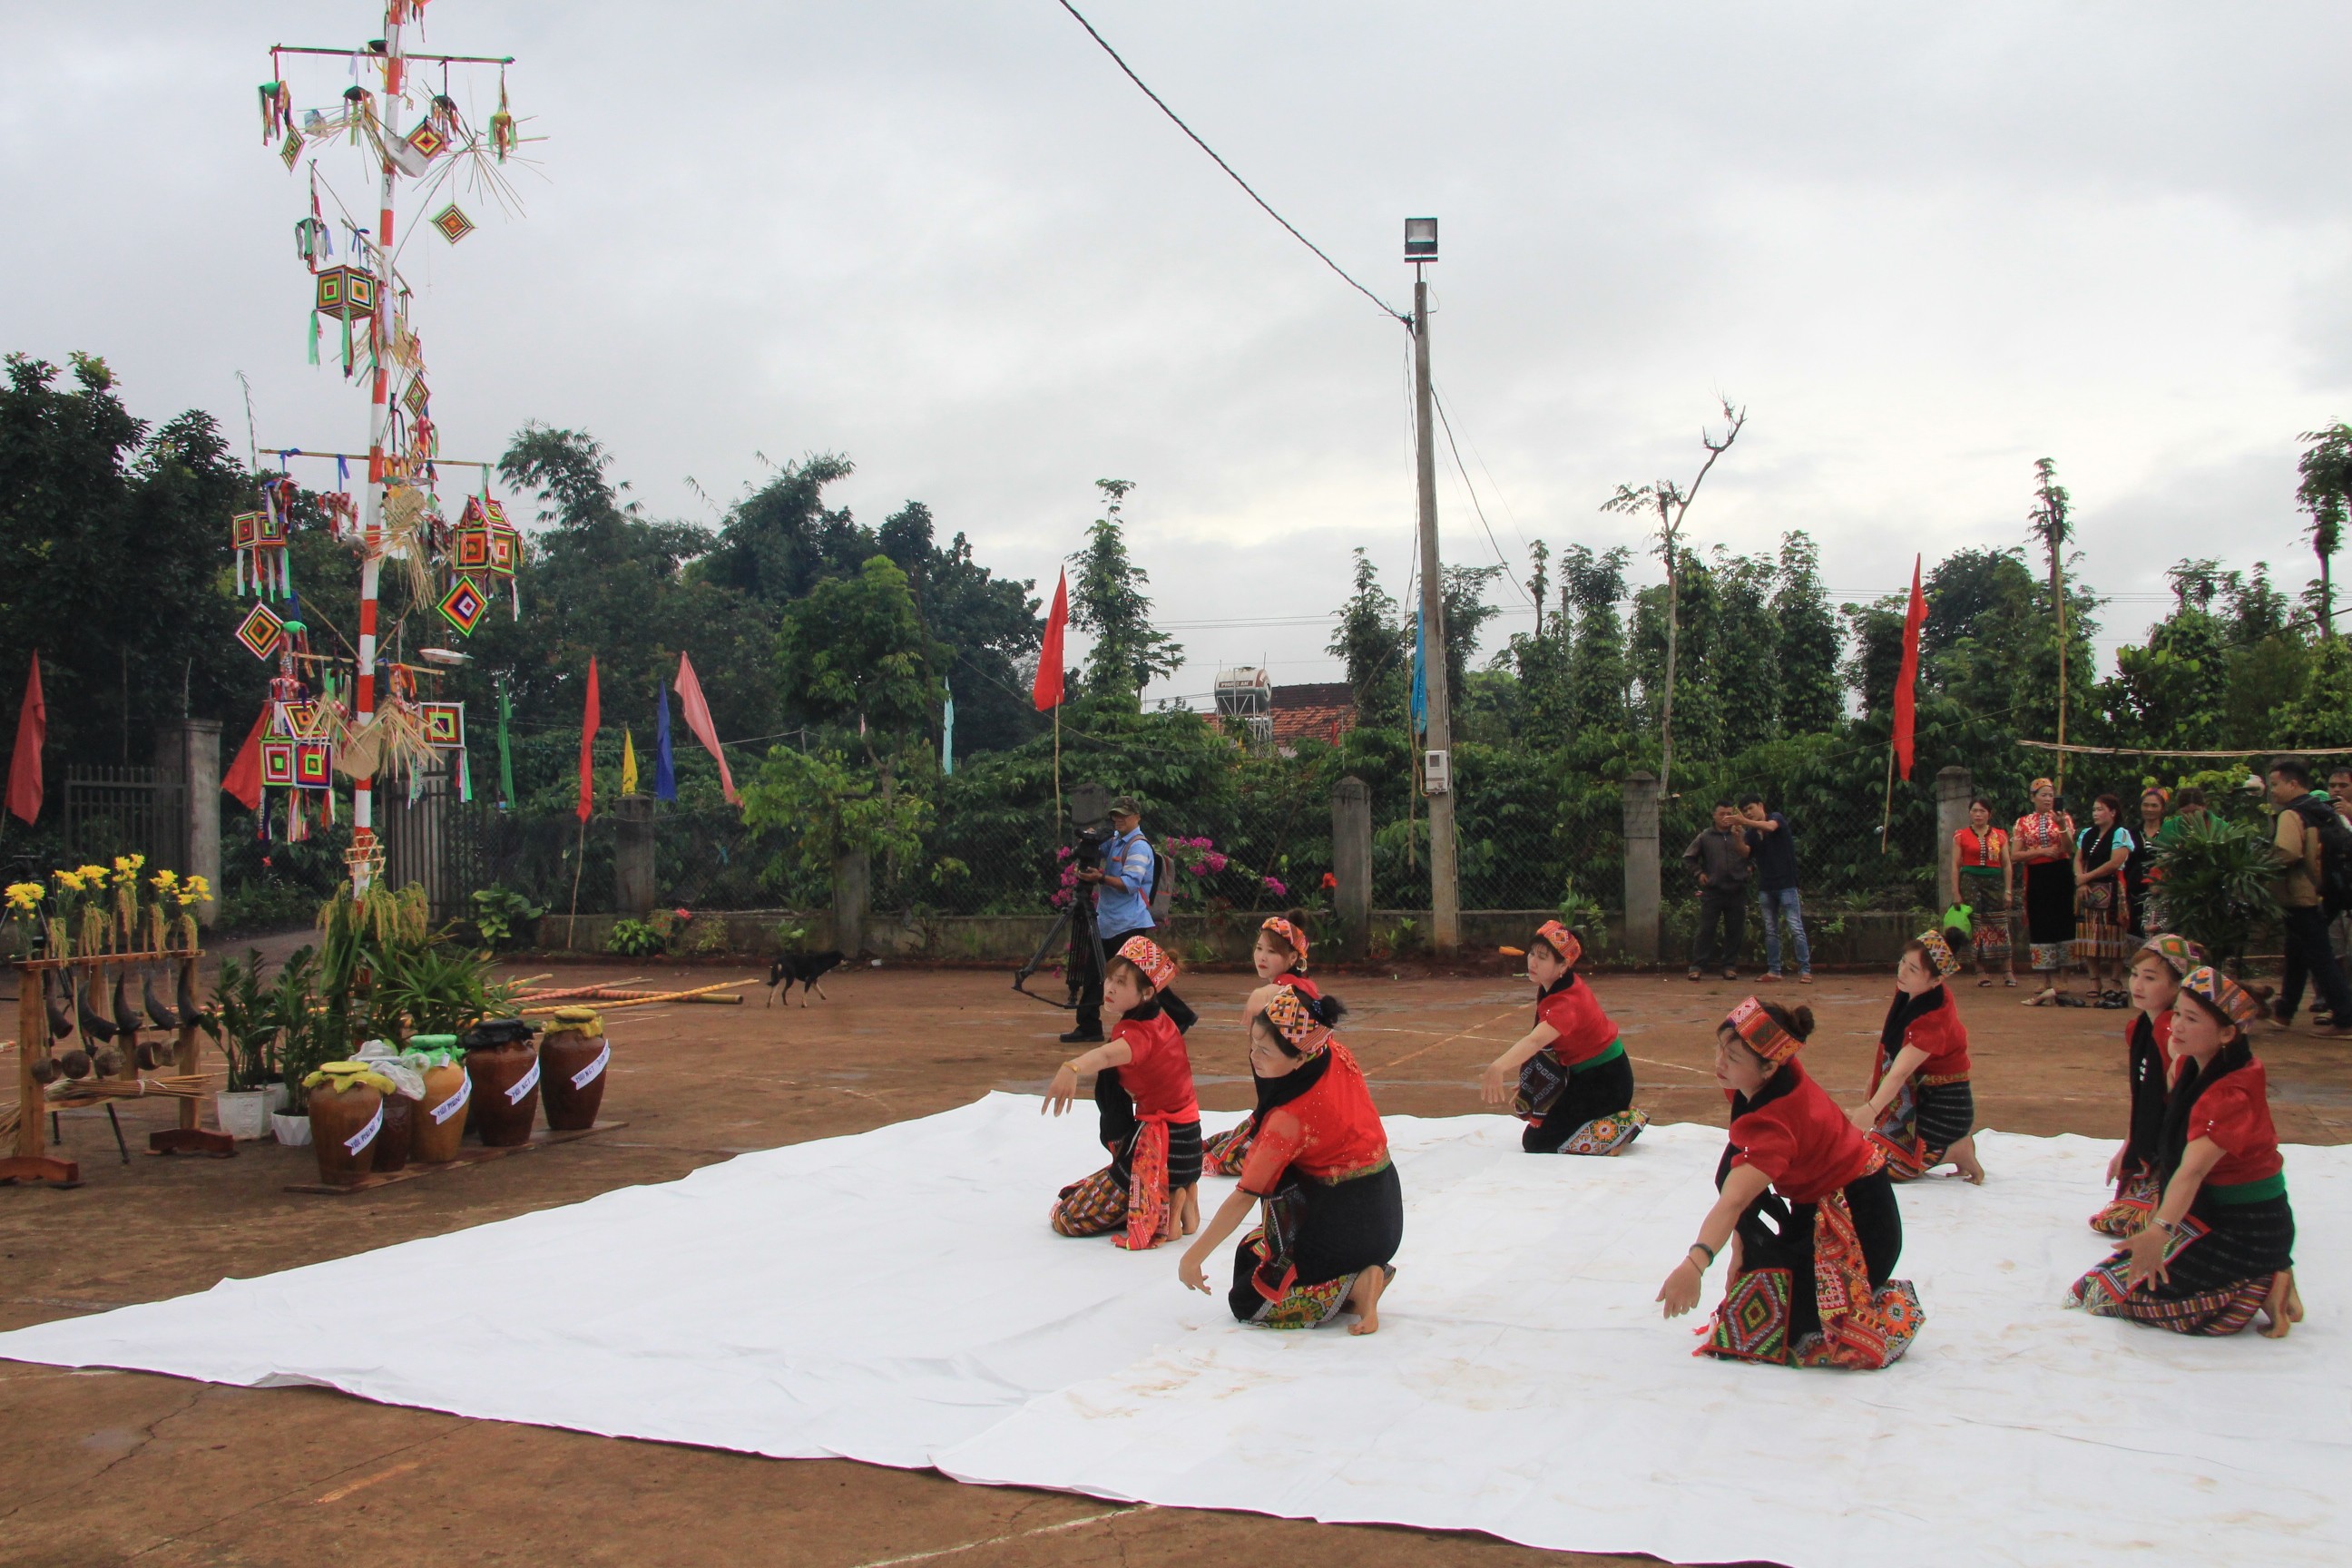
(1386, 308)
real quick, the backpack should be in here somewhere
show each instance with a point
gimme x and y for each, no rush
(1163, 885)
(2320, 814)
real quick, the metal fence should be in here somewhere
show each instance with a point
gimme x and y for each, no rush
(111, 811)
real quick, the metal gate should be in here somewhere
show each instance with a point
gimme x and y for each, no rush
(114, 811)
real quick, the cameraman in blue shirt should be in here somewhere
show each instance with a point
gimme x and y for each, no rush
(1122, 892)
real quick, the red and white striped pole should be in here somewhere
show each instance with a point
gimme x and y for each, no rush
(379, 409)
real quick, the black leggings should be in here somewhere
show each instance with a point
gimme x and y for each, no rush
(1876, 1221)
(1604, 1090)
(1340, 1230)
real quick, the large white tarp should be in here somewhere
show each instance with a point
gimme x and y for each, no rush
(896, 1296)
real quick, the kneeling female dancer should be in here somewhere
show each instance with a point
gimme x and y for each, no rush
(1921, 1110)
(1280, 959)
(2155, 981)
(2220, 1246)
(1573, 1082)
(1334, 1214)
(1814, 1290)
(1150, 1123)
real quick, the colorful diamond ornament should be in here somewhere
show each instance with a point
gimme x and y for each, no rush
(260, 631)
(463, 606)
(453, 223)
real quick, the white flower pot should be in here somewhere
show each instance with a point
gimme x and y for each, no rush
(278, 1095)
(244, 1113)
(292, 1131)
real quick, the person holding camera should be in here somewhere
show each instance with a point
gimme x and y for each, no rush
(1120, 885)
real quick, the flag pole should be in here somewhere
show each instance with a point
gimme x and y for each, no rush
(1057, 767)
(1886, 812)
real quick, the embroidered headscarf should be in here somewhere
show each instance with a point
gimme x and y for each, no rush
(2233, 1001)
(1289, 933)
(2179, 954)
(1297, 1026)
(1146, 955)
(1939, 954)
(1562, 941)
(1762, 1032)
(2038, 786)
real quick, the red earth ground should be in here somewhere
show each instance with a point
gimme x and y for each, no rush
(104, 1468)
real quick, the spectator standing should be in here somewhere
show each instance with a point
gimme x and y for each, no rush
(2339, 921)
(2302, 811)
(1772, 852)
(2100, 853)
(1121, 889)
(2140, 870)
(1986, 883)
(2041, 846)
(1719, 858)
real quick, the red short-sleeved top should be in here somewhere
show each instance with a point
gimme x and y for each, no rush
(2236, 1114)
(1802, 1140)
(1943, 1037)
(1300, 983)
(1330, 1131)
(1161, 1076)
(1584, 1029)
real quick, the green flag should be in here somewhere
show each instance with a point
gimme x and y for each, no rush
(505, 757)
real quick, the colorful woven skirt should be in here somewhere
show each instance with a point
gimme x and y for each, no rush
(1296, 1269)
(2103, 936)
(1929, 1116)
(1815, 1293)
(1989, 934)
(2219, 1268)
(1588, 1109)
(2136, 1198)
(1165, 1155)
(1224, 1154)
(2050, 913)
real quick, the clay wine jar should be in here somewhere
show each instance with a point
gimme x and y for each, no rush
(392, 1145)
(345, 1125)
(439, 1122)
(503, 1064)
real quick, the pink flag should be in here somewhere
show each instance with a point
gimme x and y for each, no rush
(697, 719)
(25, 764)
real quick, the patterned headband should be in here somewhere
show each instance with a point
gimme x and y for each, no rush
(2178, 952)
(1145, 954)
(2039, 785)
(1296, 1025)
(1289, 933)
(1762, 1032)
(2233, 1001)
(1939, 953)
(1562, 941)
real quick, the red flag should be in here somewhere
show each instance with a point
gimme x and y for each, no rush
(1906, 683)
(25, 766)
(588, 723)
(1048, 690)
(243, 780)
(697, 719)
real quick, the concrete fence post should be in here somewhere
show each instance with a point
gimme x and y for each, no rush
(853, 889)
(1642, 867)
(1351, 864)
(1955, 787)
(187, 752)
(633, 856)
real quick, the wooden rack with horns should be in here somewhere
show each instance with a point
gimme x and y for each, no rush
(32, 1158)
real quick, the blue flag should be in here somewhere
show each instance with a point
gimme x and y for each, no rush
(947, 737)
(665, 773)
(1419, 672)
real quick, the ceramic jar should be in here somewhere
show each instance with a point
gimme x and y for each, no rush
(345, 1122)
(572, 1066)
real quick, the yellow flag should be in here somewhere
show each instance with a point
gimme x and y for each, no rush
(628, 763)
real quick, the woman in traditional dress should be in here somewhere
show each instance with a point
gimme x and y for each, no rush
(1569, 1078)
(1921, 1110)
(2221, 1246)
(2101, 942)
(1150, 1121)
(1983, 881)
(2134, 1173)
(2140, 871)
(1811, 1287)
(1333, 1213)
(1279, 957)
(2041, 846)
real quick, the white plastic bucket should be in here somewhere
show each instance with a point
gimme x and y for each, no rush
(244, 1113)
(294, 1130)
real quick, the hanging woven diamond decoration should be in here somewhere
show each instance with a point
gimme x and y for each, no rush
(463, 606)
(453, 223)
(260, 631)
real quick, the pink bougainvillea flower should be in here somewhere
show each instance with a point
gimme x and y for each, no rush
(1063, 852)
(1197, 868)
(1275, 887)
(683, 914)
(1216, 862)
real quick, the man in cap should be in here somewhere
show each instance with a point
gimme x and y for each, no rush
(1121, 887)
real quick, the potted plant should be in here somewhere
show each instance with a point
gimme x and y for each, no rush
(310, 1037)
(246, 1024)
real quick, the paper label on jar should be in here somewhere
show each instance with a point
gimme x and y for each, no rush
(588, 1074)
(524, 1085)
(455, 1103)
(366, 1135)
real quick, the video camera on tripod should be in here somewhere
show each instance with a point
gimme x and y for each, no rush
(1073, 932)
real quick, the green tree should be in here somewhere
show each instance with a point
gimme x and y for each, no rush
(987, 628)
(853, 650)
(1599, 675)
(1372, 639)
(1807, 642)
(1108, 600)
(2325, 493)
(1746, 669)
(821, 808)
(780, 540)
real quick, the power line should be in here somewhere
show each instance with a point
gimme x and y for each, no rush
(1447, 425)
(1386, 308)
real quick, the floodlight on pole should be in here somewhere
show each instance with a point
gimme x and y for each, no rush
(1421, 239)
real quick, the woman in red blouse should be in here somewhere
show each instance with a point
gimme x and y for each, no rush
(1150, 1123)
(1280, 959)
(1921, 1110)
(1573, 1082)
(1984, 881)
(1334, 1214)
(1812, 1288)
(2220, 1246)
(2134, 1173)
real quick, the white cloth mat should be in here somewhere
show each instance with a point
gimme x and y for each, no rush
(898, 1297)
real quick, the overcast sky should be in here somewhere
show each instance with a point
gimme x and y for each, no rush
(1922, 246)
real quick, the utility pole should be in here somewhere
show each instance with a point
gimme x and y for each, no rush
(1437, 761)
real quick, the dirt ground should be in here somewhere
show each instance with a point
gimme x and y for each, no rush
(104, 1468)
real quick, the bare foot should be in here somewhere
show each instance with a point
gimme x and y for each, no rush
(2283, 1307)
(1963, 1156)
(1364, 1301)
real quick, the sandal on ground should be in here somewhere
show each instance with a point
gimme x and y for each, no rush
(1806, 978)
(2039, 999)
(1731, 975)
(2011, 982)
(1693, 974)
(2070, 999)
(1770, 977)
(1987, 980)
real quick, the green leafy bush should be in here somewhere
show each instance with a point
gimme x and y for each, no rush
(634, 938)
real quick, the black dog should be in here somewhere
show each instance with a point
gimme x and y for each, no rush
(808, 968)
